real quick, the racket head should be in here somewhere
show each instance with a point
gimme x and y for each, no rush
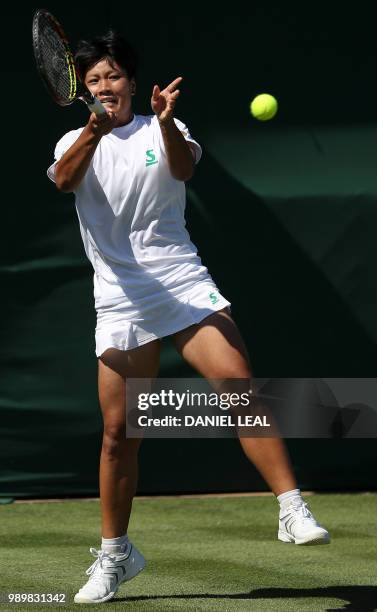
(54, 58)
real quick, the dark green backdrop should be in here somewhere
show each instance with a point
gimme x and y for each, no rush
(284, 215)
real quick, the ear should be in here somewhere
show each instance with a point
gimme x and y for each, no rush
(133, 86)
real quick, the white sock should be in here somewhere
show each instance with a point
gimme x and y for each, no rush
(285, 498)
(115, 545)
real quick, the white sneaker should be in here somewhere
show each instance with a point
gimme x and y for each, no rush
(298, 525)
(108, 572)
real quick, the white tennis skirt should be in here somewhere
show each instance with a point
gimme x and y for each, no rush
(124, 328)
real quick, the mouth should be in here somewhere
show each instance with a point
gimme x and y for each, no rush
(108, 100)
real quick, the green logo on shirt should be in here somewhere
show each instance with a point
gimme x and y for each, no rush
(151, 158)
(213, 297)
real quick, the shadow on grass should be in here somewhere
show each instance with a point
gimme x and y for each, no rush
(356, 598)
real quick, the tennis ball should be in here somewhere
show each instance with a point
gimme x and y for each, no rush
(264, 107)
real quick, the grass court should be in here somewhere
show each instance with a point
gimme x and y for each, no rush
(204, 554)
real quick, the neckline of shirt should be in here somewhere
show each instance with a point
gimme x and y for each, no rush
(125, 128)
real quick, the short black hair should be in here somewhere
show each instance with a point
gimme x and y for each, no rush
(111, 46)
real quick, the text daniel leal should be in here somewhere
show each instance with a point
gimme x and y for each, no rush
(219, 420)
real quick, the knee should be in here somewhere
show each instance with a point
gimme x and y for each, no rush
(233, 375)
(236, 367)
(115, 442)
(241, 373)
(114, 438)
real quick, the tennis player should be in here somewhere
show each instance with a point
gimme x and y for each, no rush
(128, 175)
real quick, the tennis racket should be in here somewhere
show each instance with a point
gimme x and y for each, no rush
(56, 65)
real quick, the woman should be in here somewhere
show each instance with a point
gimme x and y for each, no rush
(128, 172)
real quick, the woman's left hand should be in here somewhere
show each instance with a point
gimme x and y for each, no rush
(163, 102)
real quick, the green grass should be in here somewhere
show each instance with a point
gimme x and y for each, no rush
(203, 554)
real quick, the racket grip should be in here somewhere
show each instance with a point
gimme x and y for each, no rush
(96, 107)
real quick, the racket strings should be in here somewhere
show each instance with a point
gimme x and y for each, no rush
(56, 61)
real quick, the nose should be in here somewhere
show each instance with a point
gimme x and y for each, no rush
(104, 86)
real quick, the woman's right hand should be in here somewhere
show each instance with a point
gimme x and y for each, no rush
(100, 125)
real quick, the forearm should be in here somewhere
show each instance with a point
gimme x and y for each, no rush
(179, 155)
(72, 167)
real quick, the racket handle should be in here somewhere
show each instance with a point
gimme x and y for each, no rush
(96, 107)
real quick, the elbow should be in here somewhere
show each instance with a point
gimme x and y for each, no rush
(62, 183)
(183, 177)
(64, 186)
(184, 174)
(188, 176)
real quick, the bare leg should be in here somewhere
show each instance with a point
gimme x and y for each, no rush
(215, 349)
(119, 455)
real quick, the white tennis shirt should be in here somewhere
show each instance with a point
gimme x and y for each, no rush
(131, 214)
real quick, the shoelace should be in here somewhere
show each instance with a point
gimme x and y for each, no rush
(100, 555)
(303, 511)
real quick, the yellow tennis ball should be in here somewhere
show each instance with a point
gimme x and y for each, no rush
(264, 107)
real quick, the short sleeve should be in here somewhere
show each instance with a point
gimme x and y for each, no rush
(184, 130)
(62, 146)
(187, 136)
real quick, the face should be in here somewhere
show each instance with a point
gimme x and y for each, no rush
(111, 85)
